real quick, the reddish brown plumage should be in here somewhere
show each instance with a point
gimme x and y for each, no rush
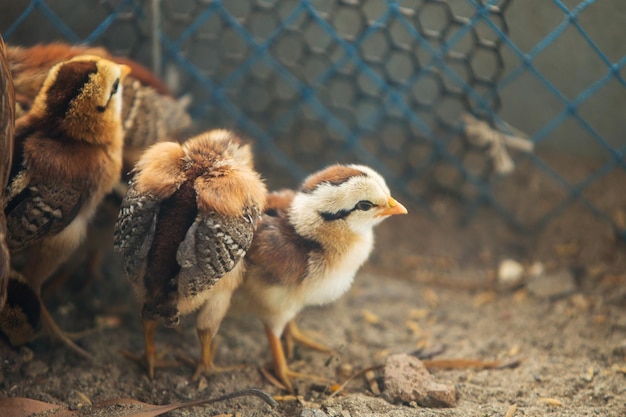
(334, 175)
(276, 235)
(7, 126)
(30, 66)
(176, 215)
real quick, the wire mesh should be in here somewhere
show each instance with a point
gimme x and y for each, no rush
(380, 82)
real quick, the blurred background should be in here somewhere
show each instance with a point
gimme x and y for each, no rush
(393, 84)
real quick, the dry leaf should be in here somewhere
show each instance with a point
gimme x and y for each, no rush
(17, 407)
(553, 402)
(370, 317)
(122, 407)
(511, 411)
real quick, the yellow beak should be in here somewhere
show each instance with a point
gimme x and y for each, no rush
(393, 207)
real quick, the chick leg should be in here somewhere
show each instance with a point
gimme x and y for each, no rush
(52, 253)
(293, 334)
(282, 371)
(208, 323)
(149, 358)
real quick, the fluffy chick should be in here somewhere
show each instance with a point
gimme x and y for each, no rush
(308, 247)
(68, 155)
(7, 127)
(150, 113)
(186, 222)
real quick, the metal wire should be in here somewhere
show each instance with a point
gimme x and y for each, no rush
(378, 82)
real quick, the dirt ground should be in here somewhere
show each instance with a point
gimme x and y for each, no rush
(430, 285)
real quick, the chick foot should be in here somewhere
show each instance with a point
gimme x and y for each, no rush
(149, 359)
(205, 366)
(281, 371)
(293, 334)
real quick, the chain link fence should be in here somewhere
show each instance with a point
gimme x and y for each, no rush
(473, 99)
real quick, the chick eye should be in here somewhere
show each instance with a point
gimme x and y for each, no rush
(116, 85)
(364, 205)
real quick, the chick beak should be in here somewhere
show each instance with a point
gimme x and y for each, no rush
(125, 71)
(393, 207)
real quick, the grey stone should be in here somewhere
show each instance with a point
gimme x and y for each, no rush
(313, 412)
(407, 380)
(553, 285)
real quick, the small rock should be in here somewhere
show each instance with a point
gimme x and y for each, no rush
(313, 412)
(554, 285)
(510, 272)
(407, 379)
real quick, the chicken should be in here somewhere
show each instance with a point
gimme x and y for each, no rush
(150, 114)
(308, 247)
(7, 127)
(67, 157)
(186, 222)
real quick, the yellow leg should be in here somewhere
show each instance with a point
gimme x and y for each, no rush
(149, 329)
(208, 348)
(282, 371)
(293, 334)
(149, 358)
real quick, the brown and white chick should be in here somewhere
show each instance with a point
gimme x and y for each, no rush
(185, 224)
(7, 128)
(309, 246)
(68, 155)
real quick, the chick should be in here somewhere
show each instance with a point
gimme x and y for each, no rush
(308, 247)
(150, 113)
(7, 127)
(185, 224)
(68, 155)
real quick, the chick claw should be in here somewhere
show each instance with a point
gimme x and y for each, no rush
(206, 365)
(281, 370)
(294, 334)
(149, 359)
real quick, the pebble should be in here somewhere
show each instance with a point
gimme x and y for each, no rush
(553, 285)
(313, 412)
(510, 272)
(407, 380)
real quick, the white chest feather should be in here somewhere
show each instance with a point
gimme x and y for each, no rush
(330, 282)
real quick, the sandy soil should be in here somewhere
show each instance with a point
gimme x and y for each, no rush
(430, 285)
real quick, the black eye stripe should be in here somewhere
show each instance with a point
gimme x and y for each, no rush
(116, 85)
(330, 216)
(363, 205)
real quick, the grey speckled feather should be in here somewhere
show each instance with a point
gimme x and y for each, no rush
(214, 244)
(134, 230)
(40, 210)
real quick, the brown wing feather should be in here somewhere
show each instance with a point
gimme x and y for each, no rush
(276, 235)
(7, 126)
